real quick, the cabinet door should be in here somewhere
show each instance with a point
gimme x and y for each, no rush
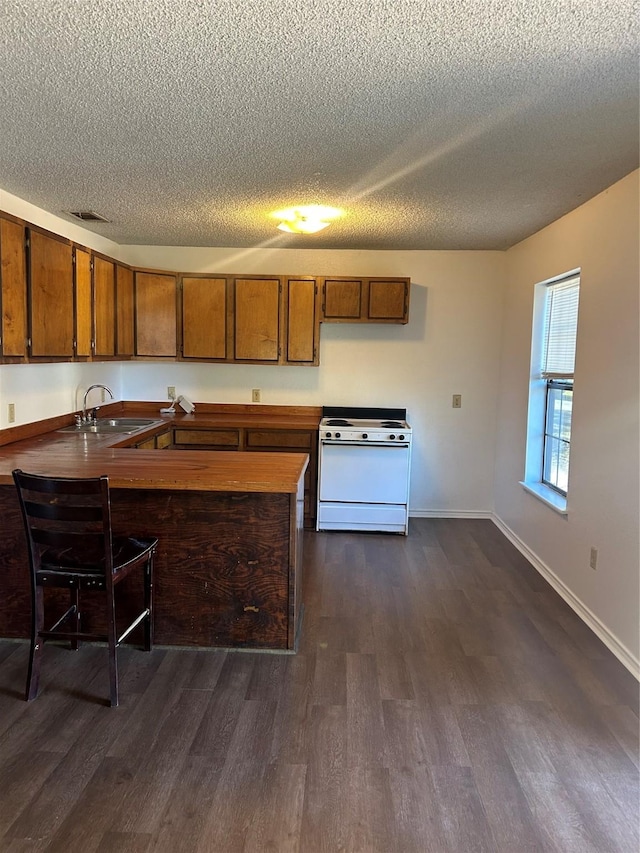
(155, 314)
(256, 319)
(342, 300)
(125, 329)
(368, 300)
(302, 322)
(388, 301)
(104, 307)
(82, 283)
(204, 318)
(224, 439)
(292, 441)
(164, 439)
(13, 278)
(51, 292)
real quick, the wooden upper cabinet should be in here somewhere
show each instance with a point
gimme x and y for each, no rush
(301, 321)
(13, 284)
(204, 318)
(256, 319)
(82, 286)
(156, 330)
(51, 296)
(365, 300)
(388, 301)
(342, 300)
(104, 307)
(125, 327)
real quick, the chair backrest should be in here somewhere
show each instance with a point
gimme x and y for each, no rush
(68, 524)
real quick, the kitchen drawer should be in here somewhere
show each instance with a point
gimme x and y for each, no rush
(289, 439)
(147, 444)
(228, 438)
(163, 440)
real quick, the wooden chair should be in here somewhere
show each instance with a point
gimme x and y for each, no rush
(71, 546)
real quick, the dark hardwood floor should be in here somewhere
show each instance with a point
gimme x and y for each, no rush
(443, 698)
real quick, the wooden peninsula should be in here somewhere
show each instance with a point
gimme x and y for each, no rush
(228, 571)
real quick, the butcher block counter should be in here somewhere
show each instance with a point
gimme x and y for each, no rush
(228, 571)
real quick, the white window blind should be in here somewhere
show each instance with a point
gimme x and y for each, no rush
(560, 327)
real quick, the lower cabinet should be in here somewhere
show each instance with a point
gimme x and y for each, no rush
(156, 442)
(254, 439)
(291, 441)
(206, 439)
(227, 572)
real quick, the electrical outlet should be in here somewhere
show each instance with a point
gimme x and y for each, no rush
(456, 401)
(12, 413)
(171, 392)
(593, 558)
(255, 395)
(103, 395)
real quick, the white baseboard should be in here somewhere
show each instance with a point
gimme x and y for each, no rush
(588, 617)
(448, 513)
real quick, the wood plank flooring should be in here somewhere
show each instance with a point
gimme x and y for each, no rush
(443, 698)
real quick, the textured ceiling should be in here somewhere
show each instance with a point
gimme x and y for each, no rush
(435, 124)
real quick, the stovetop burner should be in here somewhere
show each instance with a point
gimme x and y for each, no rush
(392, 424)
(338, 422)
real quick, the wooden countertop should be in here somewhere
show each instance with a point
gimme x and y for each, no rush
(39, 448)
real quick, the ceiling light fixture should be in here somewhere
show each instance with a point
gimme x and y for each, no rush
(306, 219)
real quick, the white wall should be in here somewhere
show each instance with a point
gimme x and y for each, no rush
(601, 238)
(450, 346)
(463, 305)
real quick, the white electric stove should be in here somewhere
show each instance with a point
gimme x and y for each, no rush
(364, 469)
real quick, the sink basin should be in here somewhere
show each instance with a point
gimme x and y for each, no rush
(111, 425)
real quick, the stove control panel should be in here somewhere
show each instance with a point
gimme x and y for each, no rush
(364, 436)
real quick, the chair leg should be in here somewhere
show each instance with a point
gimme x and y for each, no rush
(75, 616)
(113, 650)
(35, 654)
(148, 603)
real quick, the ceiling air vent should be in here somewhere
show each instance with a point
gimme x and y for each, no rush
(88, 216)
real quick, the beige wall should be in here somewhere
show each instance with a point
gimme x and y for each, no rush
(469, 333)
(601, 238)
(451, 345)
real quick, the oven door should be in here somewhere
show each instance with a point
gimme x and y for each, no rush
(364, 473)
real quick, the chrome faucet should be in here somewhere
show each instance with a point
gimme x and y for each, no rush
(86, 418)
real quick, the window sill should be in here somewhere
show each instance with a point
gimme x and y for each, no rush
(558, 503)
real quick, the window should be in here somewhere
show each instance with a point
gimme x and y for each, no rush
(557, 436)
(551, 389)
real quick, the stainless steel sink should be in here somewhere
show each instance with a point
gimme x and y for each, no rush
(112, 425)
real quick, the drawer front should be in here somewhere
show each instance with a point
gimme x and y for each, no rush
(147, 444)
(286, 439)
(163, 440)
(218, 437)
